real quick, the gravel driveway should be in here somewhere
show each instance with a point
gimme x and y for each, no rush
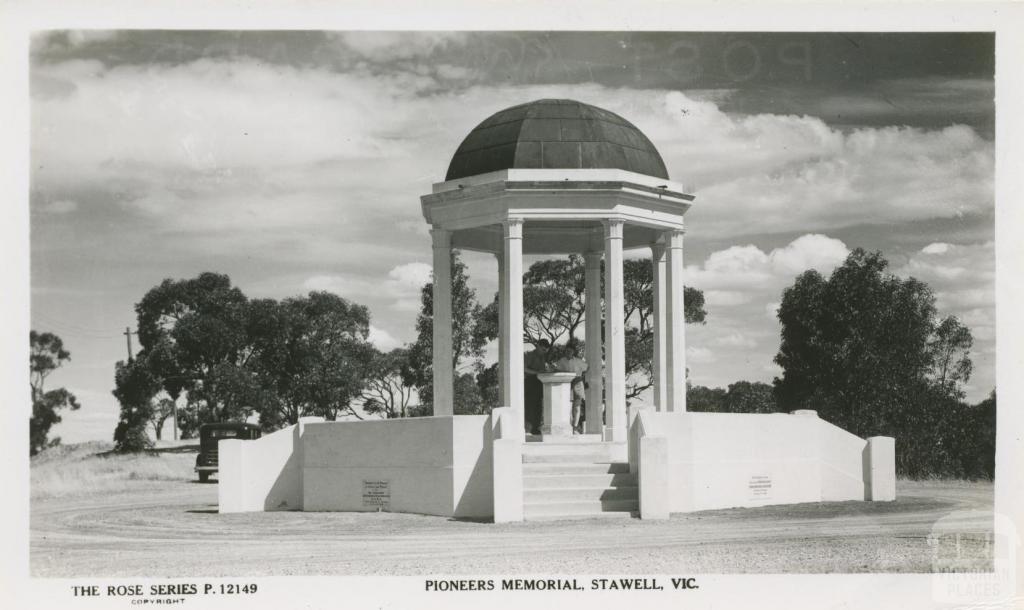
(173, 529)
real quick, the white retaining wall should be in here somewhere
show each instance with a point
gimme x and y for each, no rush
(445, 465)
(261, 474)
(843, 466)
(722, 460)
(431, 465)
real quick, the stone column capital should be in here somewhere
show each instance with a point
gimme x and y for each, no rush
(441, 238)
(658, 252)
(512, 228)
(674, 238)
(613, 228)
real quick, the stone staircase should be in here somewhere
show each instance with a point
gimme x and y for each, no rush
(576, 479)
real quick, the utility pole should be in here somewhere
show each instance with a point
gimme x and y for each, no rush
(128, 336)
(175, 419)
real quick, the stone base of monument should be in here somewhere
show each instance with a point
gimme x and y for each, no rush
(559, 438)
(464, 466)
(557, 404)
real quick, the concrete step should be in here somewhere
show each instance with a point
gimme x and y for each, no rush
(581, 509)
(575, 439)
(568, 458)
(574, 468)
(557, 480)
(562, 445)
(570, 452)
(546, 495)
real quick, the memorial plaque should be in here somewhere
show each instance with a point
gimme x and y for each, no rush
(760, 487)
(377, 494)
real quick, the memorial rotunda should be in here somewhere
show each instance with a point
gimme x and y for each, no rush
(557, 177)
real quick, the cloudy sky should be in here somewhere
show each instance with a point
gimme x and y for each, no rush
(294, 161)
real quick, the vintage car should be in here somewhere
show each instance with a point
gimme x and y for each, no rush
(210, 435)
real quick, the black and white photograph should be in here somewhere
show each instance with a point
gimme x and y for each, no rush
(459, 316)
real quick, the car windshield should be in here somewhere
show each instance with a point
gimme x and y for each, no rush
(223, 433)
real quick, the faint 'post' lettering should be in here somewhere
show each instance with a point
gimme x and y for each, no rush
(797, 54)
(744, 48)
(684, 63)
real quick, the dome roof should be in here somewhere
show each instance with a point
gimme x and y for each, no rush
(555, 134)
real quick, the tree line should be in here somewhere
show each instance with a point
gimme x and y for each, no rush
(869, 352)
(226, 357)
(46, 355)
(864, 348)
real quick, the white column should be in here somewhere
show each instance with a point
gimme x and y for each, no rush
(512, 295)
(595, 367)
(659, 366)
(444, 395)
(675, 319)
(614, 334)
(502, 326)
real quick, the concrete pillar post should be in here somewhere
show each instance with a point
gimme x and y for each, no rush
(614, 334)
(507, 467)
(653, 477)
(512, 296)
(659, 365)
(595, 366)
(502, 325)
(880, 469)
(444, 395)
(675, 309)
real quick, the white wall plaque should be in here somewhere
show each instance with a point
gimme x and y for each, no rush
(377, 494)
(759, 487)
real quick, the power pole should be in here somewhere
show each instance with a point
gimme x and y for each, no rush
(128, 336)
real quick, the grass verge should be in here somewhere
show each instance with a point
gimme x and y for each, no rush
(91, 468)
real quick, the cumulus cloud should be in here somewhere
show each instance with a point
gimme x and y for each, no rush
(320, 169)
(743, 284)
(962, 276)
(412, 275)
(935, 248)
(699, 355)
(734, 275)
(736, 339)
(726, 298)
(383, 340)
(808, 252)
(796, 172)
(389, 46)
(218, 132)
(402, 286)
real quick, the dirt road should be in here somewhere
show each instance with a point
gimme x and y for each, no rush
(173, 529)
